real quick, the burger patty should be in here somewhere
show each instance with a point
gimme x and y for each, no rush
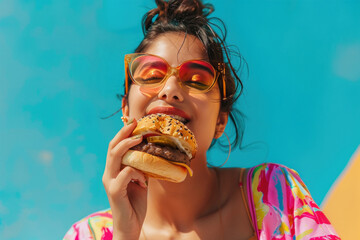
(163, 151)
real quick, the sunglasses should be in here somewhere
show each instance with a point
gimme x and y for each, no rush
(151, 72)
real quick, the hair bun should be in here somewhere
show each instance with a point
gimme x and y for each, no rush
(176, 12)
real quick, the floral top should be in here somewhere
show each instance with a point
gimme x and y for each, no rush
(279, 203)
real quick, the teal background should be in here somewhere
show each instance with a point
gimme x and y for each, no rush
(61, 65)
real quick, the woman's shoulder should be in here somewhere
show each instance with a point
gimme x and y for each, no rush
(268, 166)
(265, 172)
(98, 225)
(274, 173)
(275, 181)
(283, 205)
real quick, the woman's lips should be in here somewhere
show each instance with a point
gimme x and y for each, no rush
(169, 111)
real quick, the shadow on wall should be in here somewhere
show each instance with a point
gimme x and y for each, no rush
(342, 203)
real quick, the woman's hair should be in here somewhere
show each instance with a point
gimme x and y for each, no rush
(191, 17)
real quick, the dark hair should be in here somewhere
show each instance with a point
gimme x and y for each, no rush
(191, 17)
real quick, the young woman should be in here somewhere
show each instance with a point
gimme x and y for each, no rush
(268, 201)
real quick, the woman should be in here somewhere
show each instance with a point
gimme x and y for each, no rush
(265, 202)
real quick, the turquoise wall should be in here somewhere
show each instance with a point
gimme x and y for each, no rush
(61, 65)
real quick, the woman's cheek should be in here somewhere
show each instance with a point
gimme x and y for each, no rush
(204, 132)
(138, 102)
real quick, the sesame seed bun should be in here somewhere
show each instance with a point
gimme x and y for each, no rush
(168, 126)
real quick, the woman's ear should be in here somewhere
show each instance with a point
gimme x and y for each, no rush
(221, 124)
(125, 107)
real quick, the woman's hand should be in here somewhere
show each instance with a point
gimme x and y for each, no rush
(125, 186)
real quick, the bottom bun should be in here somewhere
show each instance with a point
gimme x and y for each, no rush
(154, 166)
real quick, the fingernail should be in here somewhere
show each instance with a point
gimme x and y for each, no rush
(130, 121)
(136, 136)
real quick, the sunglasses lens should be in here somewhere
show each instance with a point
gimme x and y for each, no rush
(197, 74)
(148, 70)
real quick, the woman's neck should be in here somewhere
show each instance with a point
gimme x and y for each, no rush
(179, 204)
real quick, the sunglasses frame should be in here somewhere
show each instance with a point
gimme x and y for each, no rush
(129, 58)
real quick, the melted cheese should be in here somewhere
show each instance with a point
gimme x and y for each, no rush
(180, 146)
(185, 166)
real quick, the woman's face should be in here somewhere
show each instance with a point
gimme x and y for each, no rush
(201, 109)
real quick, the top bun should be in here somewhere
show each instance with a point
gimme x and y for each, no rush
(171, 127)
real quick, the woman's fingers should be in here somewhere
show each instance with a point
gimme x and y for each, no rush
(122, 143)
(123, 133)
(128, 175)
(114, 158)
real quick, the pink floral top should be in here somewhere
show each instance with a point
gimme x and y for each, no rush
(279, 202)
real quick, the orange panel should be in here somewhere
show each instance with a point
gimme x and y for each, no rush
(342, 203)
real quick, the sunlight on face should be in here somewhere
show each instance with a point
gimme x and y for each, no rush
(203, 108)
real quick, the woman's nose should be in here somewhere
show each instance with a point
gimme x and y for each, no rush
(172, 90)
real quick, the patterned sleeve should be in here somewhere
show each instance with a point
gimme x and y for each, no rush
(282, 206)
(98, 225)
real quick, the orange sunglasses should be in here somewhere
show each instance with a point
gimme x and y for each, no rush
(151, 71)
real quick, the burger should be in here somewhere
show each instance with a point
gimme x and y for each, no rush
(166, 150)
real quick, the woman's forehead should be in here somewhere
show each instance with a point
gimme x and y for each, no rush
(176, 47)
